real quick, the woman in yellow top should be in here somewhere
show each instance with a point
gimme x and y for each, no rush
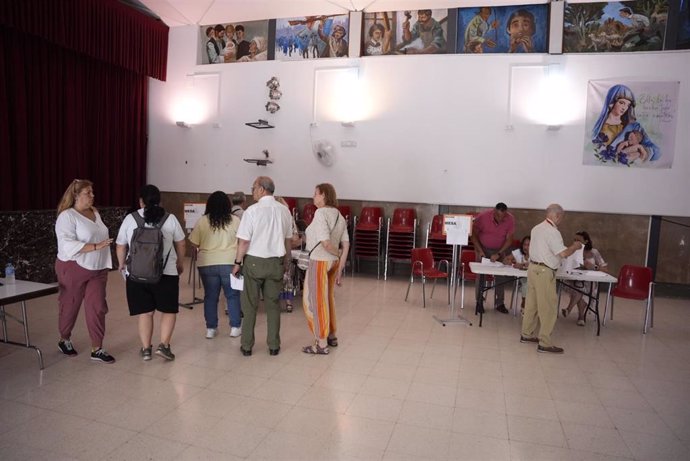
(215, 238)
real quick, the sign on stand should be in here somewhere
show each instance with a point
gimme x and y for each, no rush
(457, 228)
(192, 213)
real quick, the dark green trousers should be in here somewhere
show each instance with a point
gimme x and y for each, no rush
(265, 275)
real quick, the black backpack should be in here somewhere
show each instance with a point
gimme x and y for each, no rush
(145, 260)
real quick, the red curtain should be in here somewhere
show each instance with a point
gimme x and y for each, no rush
(103, 29)
(66, 115)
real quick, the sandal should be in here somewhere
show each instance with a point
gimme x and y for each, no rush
(288, 307)
(315, 349)
(332, 342)
(566, 312)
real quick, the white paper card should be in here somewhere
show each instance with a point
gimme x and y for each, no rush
(192, 213)
(457, 228)
(456, 236)
(237, 283)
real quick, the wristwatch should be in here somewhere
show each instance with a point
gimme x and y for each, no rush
(238, 263)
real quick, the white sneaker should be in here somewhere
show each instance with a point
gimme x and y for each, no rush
(235, 332)
(211, 333)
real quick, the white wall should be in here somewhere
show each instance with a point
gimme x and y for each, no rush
(433, 131)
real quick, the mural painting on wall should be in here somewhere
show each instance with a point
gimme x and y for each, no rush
(312, 37)
(503, 29)
(615, 26)
(683, 40)
(631, 124)
(405, 32)
(236, 42)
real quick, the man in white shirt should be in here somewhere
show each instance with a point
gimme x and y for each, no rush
(545, 253)
(263, 254)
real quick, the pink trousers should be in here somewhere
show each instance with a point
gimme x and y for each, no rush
(79, 285)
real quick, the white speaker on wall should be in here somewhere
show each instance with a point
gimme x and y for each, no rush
(557, 10)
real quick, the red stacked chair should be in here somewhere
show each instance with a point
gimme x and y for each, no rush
(347, 213)
(437, 241)
(292, 205)
(423, 266)
(367, 236)
(308, 211)
(400, 236)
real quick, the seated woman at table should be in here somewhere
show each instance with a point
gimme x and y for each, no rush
(592, 260)
(519, 259)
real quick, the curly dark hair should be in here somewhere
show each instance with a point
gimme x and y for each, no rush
(218, 209)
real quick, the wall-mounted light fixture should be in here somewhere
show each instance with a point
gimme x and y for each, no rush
(348, 124)
(336, 96)
(183, 124)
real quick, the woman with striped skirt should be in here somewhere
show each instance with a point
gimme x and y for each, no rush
(328, 243)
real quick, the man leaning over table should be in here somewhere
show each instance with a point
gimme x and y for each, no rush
(492, 236)
(541, 307)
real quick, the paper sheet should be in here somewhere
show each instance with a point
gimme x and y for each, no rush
(237, 283)
(488, 262)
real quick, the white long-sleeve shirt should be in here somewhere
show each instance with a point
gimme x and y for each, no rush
(73, 231)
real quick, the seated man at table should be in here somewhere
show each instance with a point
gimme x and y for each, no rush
(492, 235)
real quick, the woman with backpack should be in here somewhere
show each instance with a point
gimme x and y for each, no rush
(215, 237)
(82, 264)
(150, 248)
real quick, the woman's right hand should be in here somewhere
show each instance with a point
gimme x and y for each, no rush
(339, 276)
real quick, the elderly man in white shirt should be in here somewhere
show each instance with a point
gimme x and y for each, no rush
(545, 253)
(263, 254)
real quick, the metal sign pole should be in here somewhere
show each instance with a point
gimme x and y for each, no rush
(452, 317)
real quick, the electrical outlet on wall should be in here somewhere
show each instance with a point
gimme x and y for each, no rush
(348, 143)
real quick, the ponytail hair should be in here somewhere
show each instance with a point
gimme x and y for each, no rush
(70, 195)
(151, 196)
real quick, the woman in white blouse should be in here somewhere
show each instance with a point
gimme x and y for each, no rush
(328, 243)
(81, 266)
(591, 260)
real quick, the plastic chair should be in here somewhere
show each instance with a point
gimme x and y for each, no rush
(346, 212)
(370, 219)
(635, 282)
(308, 211)
(367, 238)
(403, 220)
(401, 237)
(292, 204)
(466, 257)
(423, 266)
(436, 231)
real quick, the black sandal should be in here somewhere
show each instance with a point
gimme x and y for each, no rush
(315, 349)
(332, 342)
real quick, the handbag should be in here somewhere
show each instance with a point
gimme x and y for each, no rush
(303, 257)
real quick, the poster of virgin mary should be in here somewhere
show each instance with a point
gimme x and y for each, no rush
(631, 124)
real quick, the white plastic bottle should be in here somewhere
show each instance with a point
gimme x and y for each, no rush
(9, 273)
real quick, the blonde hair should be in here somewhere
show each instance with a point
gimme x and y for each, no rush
(70, 195)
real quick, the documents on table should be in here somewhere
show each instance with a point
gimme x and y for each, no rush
(489, 262)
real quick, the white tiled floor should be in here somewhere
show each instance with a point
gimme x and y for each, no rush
(399, 387)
